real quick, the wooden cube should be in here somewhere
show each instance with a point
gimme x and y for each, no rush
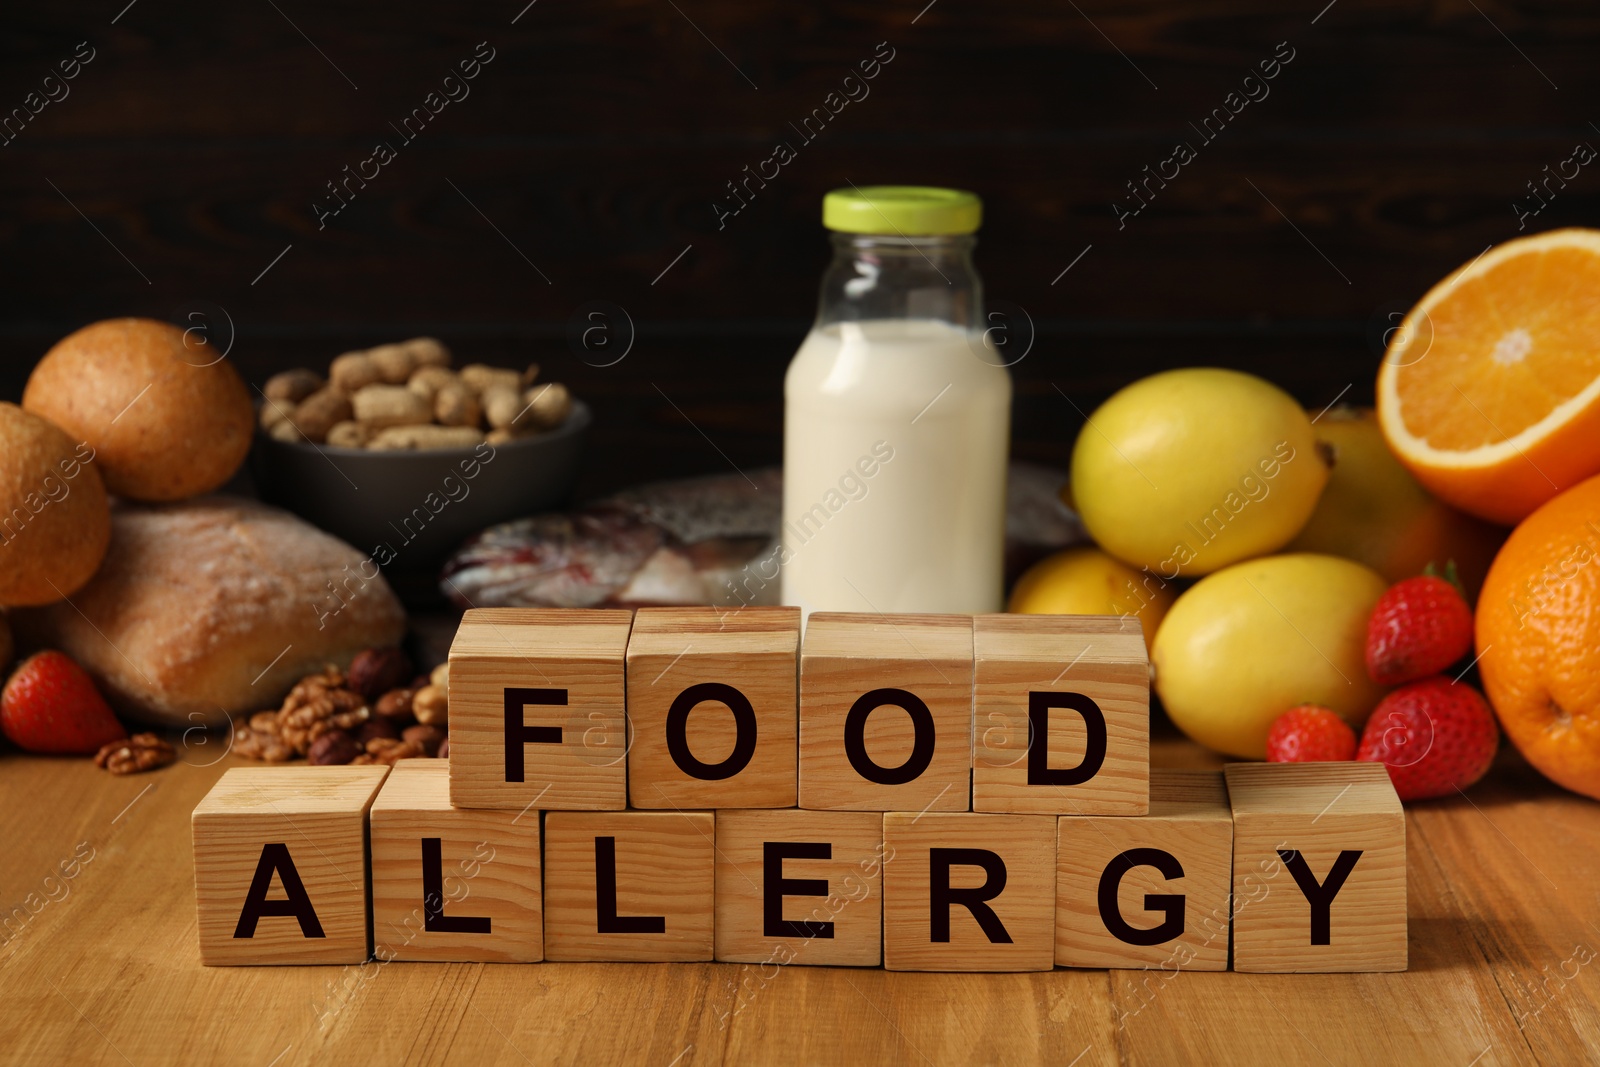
(629, 885)
(799, 886)
(1319, 868)
(1152, 891)
(712, 698)
(452, 884)
(968, 892)
(537, 716)
(280, 865)
(1062, 715)
(886, 712)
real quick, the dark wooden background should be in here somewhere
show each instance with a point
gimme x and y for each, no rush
(1391, 149)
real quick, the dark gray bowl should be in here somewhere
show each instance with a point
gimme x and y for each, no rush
(409, 510)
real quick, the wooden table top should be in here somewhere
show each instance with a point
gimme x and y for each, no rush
(1502, 927)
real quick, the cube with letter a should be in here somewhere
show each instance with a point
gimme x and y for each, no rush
(1061, 715)
(280, 865)
(964, 891)
(886, 712)
(1150, 891)
(797, 886)
(537, 715)
(452, 884)
(629, 885)
(1319, 867)
(711, 707)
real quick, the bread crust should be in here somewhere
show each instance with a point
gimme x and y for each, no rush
(210, 608)
(54, 515)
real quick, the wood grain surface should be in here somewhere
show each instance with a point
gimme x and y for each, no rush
(103, 967)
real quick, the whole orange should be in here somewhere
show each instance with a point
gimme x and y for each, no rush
(1538, 626)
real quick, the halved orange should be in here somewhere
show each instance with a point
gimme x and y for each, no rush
(1489, 392)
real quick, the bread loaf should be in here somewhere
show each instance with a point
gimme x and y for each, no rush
(216, 606)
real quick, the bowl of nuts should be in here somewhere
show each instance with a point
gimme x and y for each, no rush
(405, 457)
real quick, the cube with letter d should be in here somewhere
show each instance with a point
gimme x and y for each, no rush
(1061, 708)
(537, 717)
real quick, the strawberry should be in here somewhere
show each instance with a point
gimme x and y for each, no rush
(50, 705)
(1310, 733)
(1418, 627)
(1435, 736)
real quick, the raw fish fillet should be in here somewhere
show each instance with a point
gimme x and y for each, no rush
(688, 541)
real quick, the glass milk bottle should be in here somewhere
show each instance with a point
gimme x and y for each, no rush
(897, 414)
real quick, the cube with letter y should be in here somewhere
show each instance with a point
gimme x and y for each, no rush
(537, 716)
(886, 712)
(1319, 867)
(452, 884)
(711, 707)
(1061, 715)
(629, 885)
(964, 891)
(280, 865)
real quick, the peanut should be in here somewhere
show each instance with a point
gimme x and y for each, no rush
(317, 413)
(427, 381)
(394, 362)
(353, 371)
(275, 411)
(478, 377)
(349, 434)
(292, 385)
(455, 405)
(428, 351)
(382, 406)
(400, 438)
(548, 405)
(285, 431)
(504, 408)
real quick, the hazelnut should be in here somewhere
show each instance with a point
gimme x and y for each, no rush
(430, 706)
(429, 737)
(375, 671)
(376, 728)
(333, 747)
(395, 706)
(444, 748)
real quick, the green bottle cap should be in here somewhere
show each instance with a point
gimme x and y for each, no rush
(902, 211)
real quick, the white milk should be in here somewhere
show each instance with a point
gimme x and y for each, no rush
(894, 463)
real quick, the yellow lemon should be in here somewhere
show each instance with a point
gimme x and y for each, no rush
(1252, 640)
(1087, 581)
(1190, 470)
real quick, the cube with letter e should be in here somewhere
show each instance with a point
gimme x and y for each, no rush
(1061, 715)
(537, 716)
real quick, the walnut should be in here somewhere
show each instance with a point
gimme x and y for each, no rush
(141, 752)
(388, 751)
(259, 744)
(313, 708)
(265, 721)
(375, 671)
